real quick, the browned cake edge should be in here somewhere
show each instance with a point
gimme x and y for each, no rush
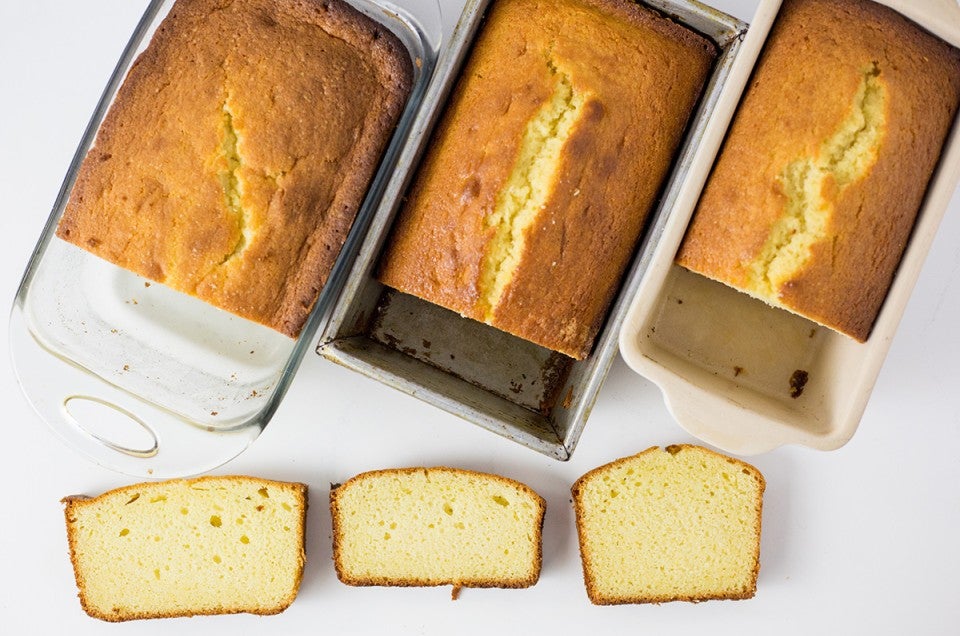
(336, 489)
(72, 502)
(599, 599)
(395, 70)
(635, 12)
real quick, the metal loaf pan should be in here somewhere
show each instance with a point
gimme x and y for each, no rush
(498, 381)
(149, 381)
(724, 360)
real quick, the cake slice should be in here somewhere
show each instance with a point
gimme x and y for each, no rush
(674, 524)
(212, 545)
(436, 526)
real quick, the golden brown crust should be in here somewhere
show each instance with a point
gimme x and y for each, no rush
(73, 502)
(801, 92)
(417, 582)
(599, 599)
(232, 193)
(641, 75)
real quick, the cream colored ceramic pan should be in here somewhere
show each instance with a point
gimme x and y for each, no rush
(737, 373)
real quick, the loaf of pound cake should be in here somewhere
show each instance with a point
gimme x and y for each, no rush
(550, 154)
(212, 545)
(436, 526)
(814, 196)
(238, 151)
(674, 524)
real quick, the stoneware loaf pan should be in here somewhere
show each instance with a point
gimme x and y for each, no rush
(737, 373)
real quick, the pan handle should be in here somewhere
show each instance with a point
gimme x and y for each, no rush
(115, 428)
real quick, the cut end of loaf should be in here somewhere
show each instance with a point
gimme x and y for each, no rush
(681, 523)
(436, 526)
(212, 545)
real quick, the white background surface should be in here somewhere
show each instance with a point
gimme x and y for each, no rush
(861, 540)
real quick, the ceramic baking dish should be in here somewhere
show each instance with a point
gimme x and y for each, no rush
(737, 373)
(147, 380)
(498, 381)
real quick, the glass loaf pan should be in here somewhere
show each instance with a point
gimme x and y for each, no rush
(500, 382)
(152, 382)
(724, 360)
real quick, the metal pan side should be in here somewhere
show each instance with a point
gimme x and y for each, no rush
(555, 429)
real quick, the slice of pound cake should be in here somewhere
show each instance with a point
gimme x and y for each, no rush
(674, 524)
(212, 545)
(436, 526)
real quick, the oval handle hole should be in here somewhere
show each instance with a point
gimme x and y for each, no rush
(114, 427)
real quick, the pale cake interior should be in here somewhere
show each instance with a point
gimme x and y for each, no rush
(675, 524)
(233, 186)
(184, 547)
(435, 527)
